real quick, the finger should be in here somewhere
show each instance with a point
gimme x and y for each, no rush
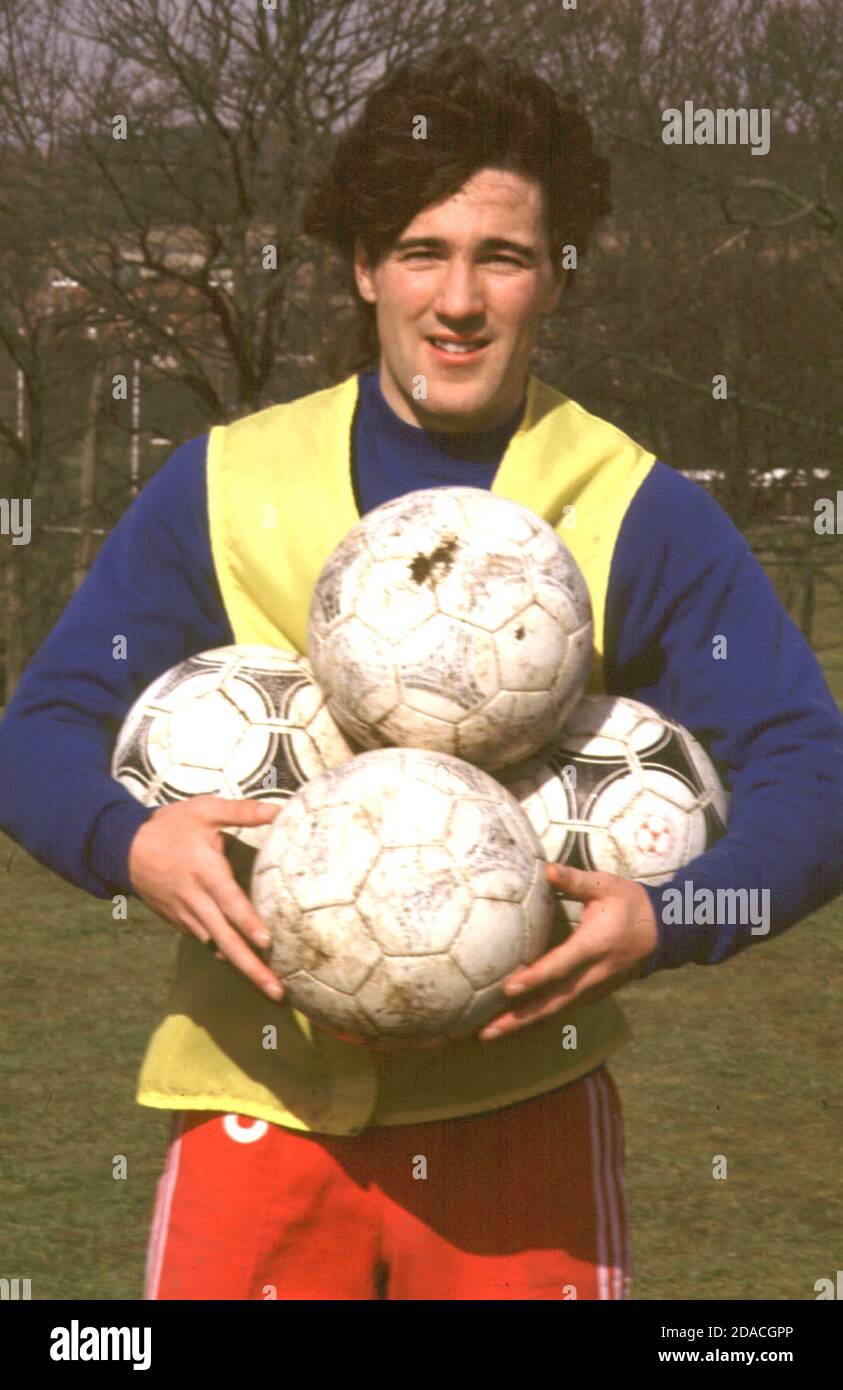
(189, 925)
(234, 948)
(511, 1022)
(590, 992)
(222, 811)
(559, 966)
(218, 881)
(580, 884)
(548, 1002)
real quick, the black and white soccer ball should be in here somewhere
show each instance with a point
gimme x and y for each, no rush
(242, 722)
(622, 790)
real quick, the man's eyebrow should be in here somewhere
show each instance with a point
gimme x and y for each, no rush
(494, 243)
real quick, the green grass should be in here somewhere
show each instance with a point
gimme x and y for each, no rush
(79, 994)
(740, 1059)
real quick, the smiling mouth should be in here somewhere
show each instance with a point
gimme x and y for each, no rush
(456, 348)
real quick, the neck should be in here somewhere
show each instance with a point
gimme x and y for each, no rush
(415, 413)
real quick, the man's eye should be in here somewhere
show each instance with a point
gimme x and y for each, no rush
(421, 255)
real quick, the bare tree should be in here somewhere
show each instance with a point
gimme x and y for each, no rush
(715, 262)
(200, 130)
(34, 430)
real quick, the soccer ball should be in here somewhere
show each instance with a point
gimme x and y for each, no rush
(241, 722)
(623, 790)
(454, 620)
(401, 889)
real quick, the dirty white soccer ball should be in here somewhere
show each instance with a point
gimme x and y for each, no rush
(621, 789)
(241, 722)
(454, 620)
(401, 889)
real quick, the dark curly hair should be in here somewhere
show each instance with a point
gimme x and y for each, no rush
(481, 113)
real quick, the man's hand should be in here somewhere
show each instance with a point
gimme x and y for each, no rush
(178, 866)
(616, 936)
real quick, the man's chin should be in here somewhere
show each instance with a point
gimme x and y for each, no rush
(456, 406)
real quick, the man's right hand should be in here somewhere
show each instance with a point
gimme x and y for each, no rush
(177, 865)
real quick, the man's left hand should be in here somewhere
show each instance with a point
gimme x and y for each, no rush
(609, 947)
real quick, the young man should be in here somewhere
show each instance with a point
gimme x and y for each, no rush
(294, 1169)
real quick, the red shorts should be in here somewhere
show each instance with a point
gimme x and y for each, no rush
(524, 1202)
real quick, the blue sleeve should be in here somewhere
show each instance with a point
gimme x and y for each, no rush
(682, 576)
(153, 584)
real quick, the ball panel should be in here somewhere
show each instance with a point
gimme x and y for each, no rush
(333, 856)
(330, 1008)
(518, 718)
(446, 670)
(495, 864)
(488, 589)
(413, 815)
(548, 800)
(358, 695)
(514, 523)
(489, 945)
(613, 727)
(391, 602)
(641, 827)
(530, 649)
(574, 672)
(274, 902)
(414, 997)
(333, 596)
(414, 901)
(559, 585)
(417, 523)
(539, 911)
(454, 776)
(335, 948)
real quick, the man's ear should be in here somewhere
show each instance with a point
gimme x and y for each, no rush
(362, 273)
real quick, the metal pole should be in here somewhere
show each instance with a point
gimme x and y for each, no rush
(21, 400)
(136, 404)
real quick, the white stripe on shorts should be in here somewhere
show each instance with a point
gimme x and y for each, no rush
(163, 1207)
(607, 1178)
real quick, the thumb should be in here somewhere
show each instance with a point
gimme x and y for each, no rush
(579, 884)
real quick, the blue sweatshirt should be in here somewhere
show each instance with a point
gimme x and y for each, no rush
(681, 576)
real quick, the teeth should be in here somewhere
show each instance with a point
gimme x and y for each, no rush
(456, 347)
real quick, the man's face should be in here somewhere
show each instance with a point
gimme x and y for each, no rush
(474, 267)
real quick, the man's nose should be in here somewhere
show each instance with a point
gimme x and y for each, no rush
(460, 294)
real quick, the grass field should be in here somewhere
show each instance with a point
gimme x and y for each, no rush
(741, 1059)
